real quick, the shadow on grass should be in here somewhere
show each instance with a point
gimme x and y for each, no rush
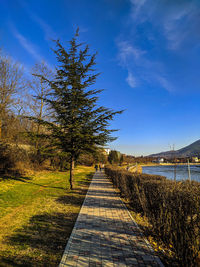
(15, 178)
(42, 241)
(82, 183)
(27, 180)
(86, 181)
(75, 197)
(45, 186)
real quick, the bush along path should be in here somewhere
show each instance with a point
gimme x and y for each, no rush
(172, 209)
(105, 233)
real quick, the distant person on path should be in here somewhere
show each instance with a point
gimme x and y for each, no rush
(96, 167)
(100, 167)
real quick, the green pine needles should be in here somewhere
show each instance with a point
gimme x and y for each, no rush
(78, 124)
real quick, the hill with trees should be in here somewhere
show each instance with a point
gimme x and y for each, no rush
(188, 151)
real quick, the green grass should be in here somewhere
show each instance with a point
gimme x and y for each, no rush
(37, 214)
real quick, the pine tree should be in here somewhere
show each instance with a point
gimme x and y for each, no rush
(79, 125)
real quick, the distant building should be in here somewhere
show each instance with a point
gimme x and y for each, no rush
(107, 151)
(159, 160)
(195, 159)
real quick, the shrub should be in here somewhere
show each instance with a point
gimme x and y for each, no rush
(171, 207)
(12, 159)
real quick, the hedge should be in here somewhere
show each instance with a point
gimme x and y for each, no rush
(172, 208)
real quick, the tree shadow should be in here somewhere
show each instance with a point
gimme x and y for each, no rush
(75, 197)
(82, 183)
(86, 181)
(7, 177)
(27, 180)
(42, 240)
(45, 234)
(45, 186)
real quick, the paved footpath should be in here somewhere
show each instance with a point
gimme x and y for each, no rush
(105, 233)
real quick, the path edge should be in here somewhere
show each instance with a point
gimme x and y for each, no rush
(66, 250)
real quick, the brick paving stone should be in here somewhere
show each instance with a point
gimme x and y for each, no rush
(105, 233)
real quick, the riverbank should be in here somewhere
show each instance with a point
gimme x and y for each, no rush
(168, 164)
(174, 172)
(139, 168)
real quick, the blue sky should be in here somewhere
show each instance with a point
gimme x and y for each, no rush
(148, 56)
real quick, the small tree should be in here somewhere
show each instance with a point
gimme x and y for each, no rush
(114, 157)
(121, 160)
(78, 124)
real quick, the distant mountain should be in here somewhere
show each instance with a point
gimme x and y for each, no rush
(188, 151)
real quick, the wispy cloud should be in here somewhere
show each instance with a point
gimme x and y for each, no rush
(136, 7)
(127, 50)
(178, 21)
(156, 29)
(131, 80)
(128, 53)
(26, 44)
(176, 24)
(164, 82)
(139, 68)
(49, 33)
(29, 47)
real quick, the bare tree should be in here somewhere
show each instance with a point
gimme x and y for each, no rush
(38, 91)
(11, 83)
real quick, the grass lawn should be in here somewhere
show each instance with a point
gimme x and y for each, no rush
(37, 214)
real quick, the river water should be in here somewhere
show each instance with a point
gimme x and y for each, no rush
(168, 171)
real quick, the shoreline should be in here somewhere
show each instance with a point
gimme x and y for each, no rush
(168, 164)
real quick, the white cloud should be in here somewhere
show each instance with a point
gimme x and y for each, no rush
(138, 65)
(164, 82)
(174, 26)
(131, 80)
(128, 54)
(126, 50)
(157, 28)
(137, 6)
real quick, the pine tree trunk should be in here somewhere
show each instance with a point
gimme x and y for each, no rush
(71, 173)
